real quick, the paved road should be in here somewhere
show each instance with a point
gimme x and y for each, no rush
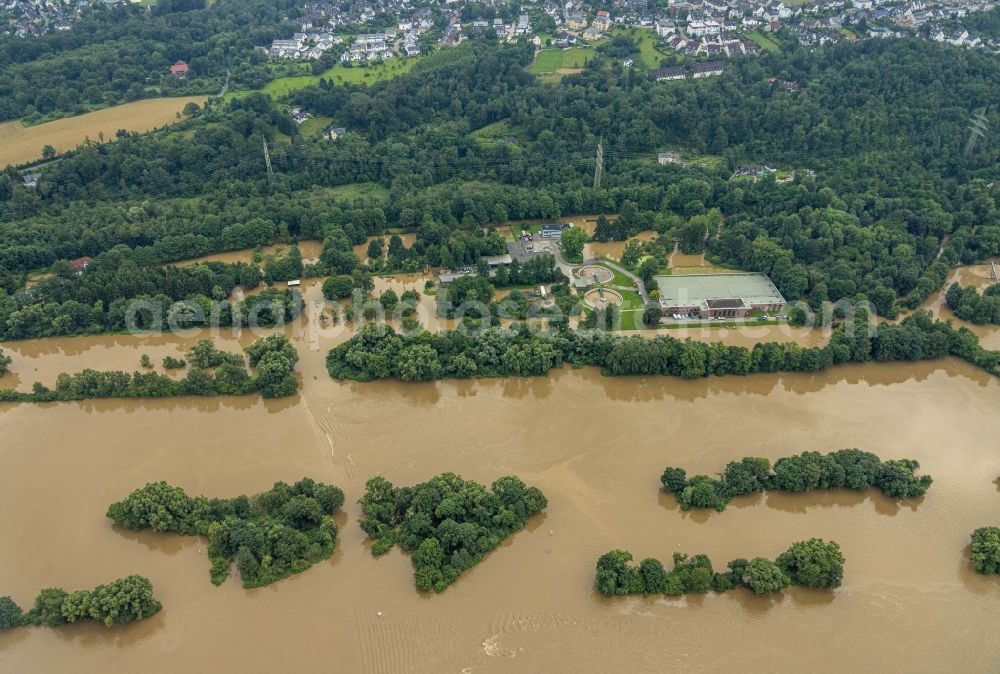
(225, 85)
(568, 268)
(639, 285)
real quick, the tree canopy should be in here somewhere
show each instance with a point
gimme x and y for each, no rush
(812, 563)
(447, 524)
(986, 550)
(121, 601)
(270, 535)
(842, 469)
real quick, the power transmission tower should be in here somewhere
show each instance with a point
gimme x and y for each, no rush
(599, 164)
(977, 130)
(267, 162)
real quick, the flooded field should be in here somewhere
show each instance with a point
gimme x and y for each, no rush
(594, 445)
(361, 250)
(682, 263)
(309, 248)
(613, 249)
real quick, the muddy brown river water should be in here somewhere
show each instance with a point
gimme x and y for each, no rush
(596, 446)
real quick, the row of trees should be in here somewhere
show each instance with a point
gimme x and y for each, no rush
(377, 352)
(270, 535)
(212, 373)
(842, 469)
(121, 601)
(969, 305)
(447, 523)
(813, 563)
(5, 362)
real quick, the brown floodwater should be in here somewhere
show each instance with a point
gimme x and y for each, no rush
(594, 445)
(361, 250)
(978, 276)
(613, 249)
(309, 248)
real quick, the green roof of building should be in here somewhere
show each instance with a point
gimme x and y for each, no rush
(693, 289)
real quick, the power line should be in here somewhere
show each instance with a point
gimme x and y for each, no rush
(599, 164)
(977, 129)
(267, 161)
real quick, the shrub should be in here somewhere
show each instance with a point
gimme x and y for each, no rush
(986, 550)
(10, 613)
(813, 563)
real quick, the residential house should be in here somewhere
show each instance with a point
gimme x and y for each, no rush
(700, 28)
(602, 21)
(707, 69)
(665, 28)
(575, 20)
(668, 73)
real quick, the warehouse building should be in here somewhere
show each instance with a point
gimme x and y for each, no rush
(732, 295)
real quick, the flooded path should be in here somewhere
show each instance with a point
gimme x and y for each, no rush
(978, 276)
(309, 248)
(594, 445)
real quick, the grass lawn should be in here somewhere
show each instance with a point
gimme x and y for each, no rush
(708, 162)
(632, 300)
(619, 278)
(553, 60)
(370, 74)
(315, 126)
(339, 74)
(497, 132)
(645, 38)
(764, 42)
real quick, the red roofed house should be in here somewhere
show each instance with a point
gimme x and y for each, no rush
(81, 263)
(179, 69)
(602, 21)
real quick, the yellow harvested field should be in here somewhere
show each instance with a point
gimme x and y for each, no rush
(19, 144)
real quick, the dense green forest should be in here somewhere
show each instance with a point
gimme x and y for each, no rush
(843, 469)
(378, 352)
(883, 201)
(447, 523)
(812, 563)
(270, 536)
(121, 601)
(123, 52)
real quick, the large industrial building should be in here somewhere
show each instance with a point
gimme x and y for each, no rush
(718, 295)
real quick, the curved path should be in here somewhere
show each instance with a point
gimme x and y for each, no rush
(568, 269)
